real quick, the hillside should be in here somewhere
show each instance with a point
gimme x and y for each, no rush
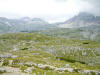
(84, 26)
(83, 19)
(24, 24)
(31, 46)
(36, 53)
(82, 33)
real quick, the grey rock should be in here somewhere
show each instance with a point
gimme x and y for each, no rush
(2, 70)
(65, 69)
(6, 55)
(29, 64)
(67, 65)
(90, 72)
(41, 66)
(10, 62)
(14, 56)
(83, 19)
(29, 70)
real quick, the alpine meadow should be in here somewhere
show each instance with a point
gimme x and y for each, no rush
(49, 37)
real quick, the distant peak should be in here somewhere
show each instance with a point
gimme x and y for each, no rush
(25, 18)
(3, 18)
(37, 19)
(85, 14)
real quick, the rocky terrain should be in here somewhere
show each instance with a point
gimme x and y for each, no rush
(22, 25)
(38, 54)
(32, 46)
(83, 19)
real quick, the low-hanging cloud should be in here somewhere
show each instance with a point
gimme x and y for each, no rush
(54, 9)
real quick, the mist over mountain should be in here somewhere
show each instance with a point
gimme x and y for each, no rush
(83, 19)
(49, 37)
(27, 24)
(23, 24)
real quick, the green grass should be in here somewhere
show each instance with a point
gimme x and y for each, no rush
(56, 51)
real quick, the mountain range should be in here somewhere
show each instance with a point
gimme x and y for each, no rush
(25, 24)
(83, 19)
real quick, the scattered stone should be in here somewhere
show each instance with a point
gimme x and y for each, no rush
(96, 72)
(10, 62)
(65, 69)
(30, 41)
(6, 55)
(15, 48)
(34, 73)
(85, 71)
(2, 70)
(30, 64)
(14, 56)
(1, 62)
(67, 65)
(70, 69)
(44, 73)
(60, 69)
(90, 64)
(29, 70)
(77, 70)
(35, 53)
(48, 67)
(84, 53)
(90, 72)
(21, 64)
(11, 69)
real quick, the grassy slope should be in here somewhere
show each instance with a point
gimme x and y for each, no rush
(38, 48)
(73, 33)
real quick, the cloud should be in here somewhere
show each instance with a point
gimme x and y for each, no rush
(47, 8)
(25, 7)
(36, 6)
(95, 4)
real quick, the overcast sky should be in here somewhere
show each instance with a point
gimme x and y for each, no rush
(50, 10)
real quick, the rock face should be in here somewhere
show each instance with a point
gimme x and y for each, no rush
(22, 25)
(83, 19)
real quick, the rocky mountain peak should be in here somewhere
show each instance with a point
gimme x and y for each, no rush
(81, 20)
(37, 19)
(83, 16)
